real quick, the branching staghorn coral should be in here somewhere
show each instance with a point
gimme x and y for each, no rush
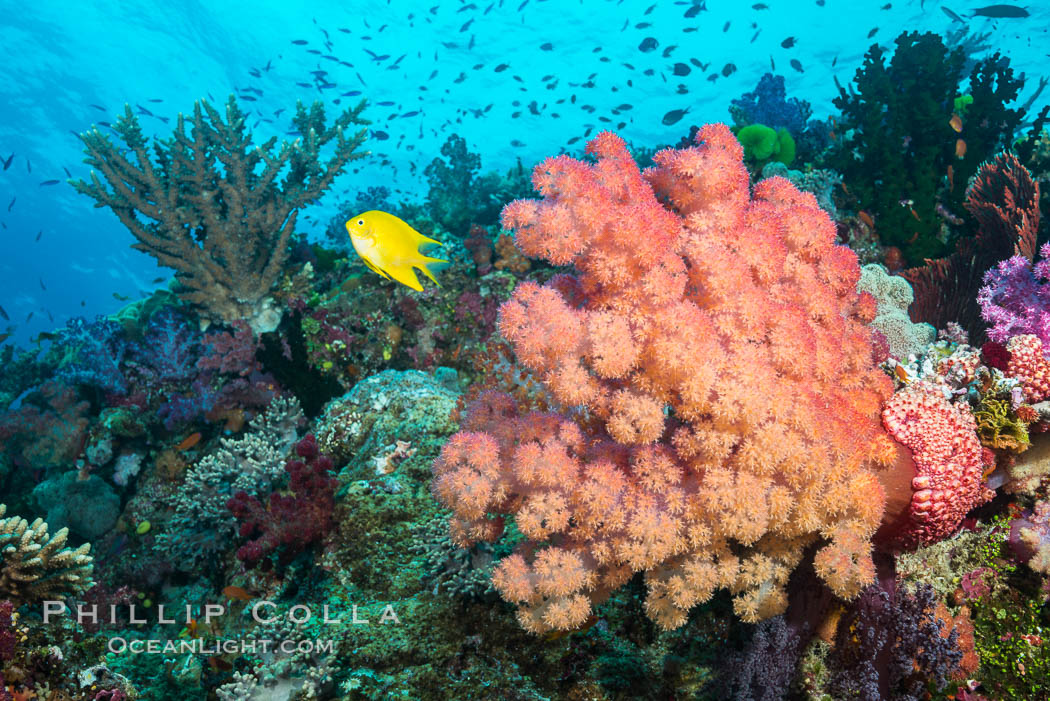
(35, 565)
(217, 209)
(719, 397)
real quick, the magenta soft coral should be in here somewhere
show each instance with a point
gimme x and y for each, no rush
(719, 402)
(290, 523)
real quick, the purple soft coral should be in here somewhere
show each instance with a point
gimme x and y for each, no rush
(94, 353)
(1015, 299)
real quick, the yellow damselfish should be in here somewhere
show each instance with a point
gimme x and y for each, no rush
(390, 247)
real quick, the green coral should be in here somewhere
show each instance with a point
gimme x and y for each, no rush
(998, 427)
(1009, 624)
(764, 144)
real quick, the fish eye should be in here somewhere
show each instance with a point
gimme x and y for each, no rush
(360, 222)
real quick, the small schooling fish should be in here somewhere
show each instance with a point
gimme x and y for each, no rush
(390, 247)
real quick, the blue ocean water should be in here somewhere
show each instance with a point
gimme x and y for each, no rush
(464, 68)
(770, 419)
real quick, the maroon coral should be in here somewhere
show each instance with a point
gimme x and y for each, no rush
(233, 352)
(1004, 199)
(7, 636)
(290, 523)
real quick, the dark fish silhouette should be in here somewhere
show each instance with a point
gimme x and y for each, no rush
(673, 117)
(728, 70)
(299, 42)
(1000, 11)
(648, 44)
(682, 69)
(954, 17)
(3, 313)
(7, 163)
(873, 32)
(49, 182)
(797, 65)
(12, 204)
(546, 46)
(501, 67)
(788, 43)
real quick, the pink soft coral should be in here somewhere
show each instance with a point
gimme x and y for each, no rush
(720, 403)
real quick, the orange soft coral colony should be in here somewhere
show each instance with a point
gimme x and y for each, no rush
(720, 405)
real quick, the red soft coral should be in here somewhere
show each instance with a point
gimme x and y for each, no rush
(940, 479)
(719, 402)
(1027, 362)
(291, 522)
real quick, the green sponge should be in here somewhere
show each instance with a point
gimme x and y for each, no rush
(763, 144)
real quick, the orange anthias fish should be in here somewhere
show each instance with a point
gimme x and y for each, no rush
(189, 441)
(960, 148)
(956, 123)
(238, 593)
(866, 218)
(951, 178)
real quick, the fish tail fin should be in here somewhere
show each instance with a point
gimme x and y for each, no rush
(431, 266)
(407, 276)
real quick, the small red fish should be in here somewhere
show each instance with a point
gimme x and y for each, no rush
(866, 218)
(956, 123)
(189, 441)
(951, 178)
(238, 593)
(219, 665)
(960, 148)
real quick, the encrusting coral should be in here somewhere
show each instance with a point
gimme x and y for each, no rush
(204, 207)
(720, 398)
(35, 565)
(941, 479)
(893, 295)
